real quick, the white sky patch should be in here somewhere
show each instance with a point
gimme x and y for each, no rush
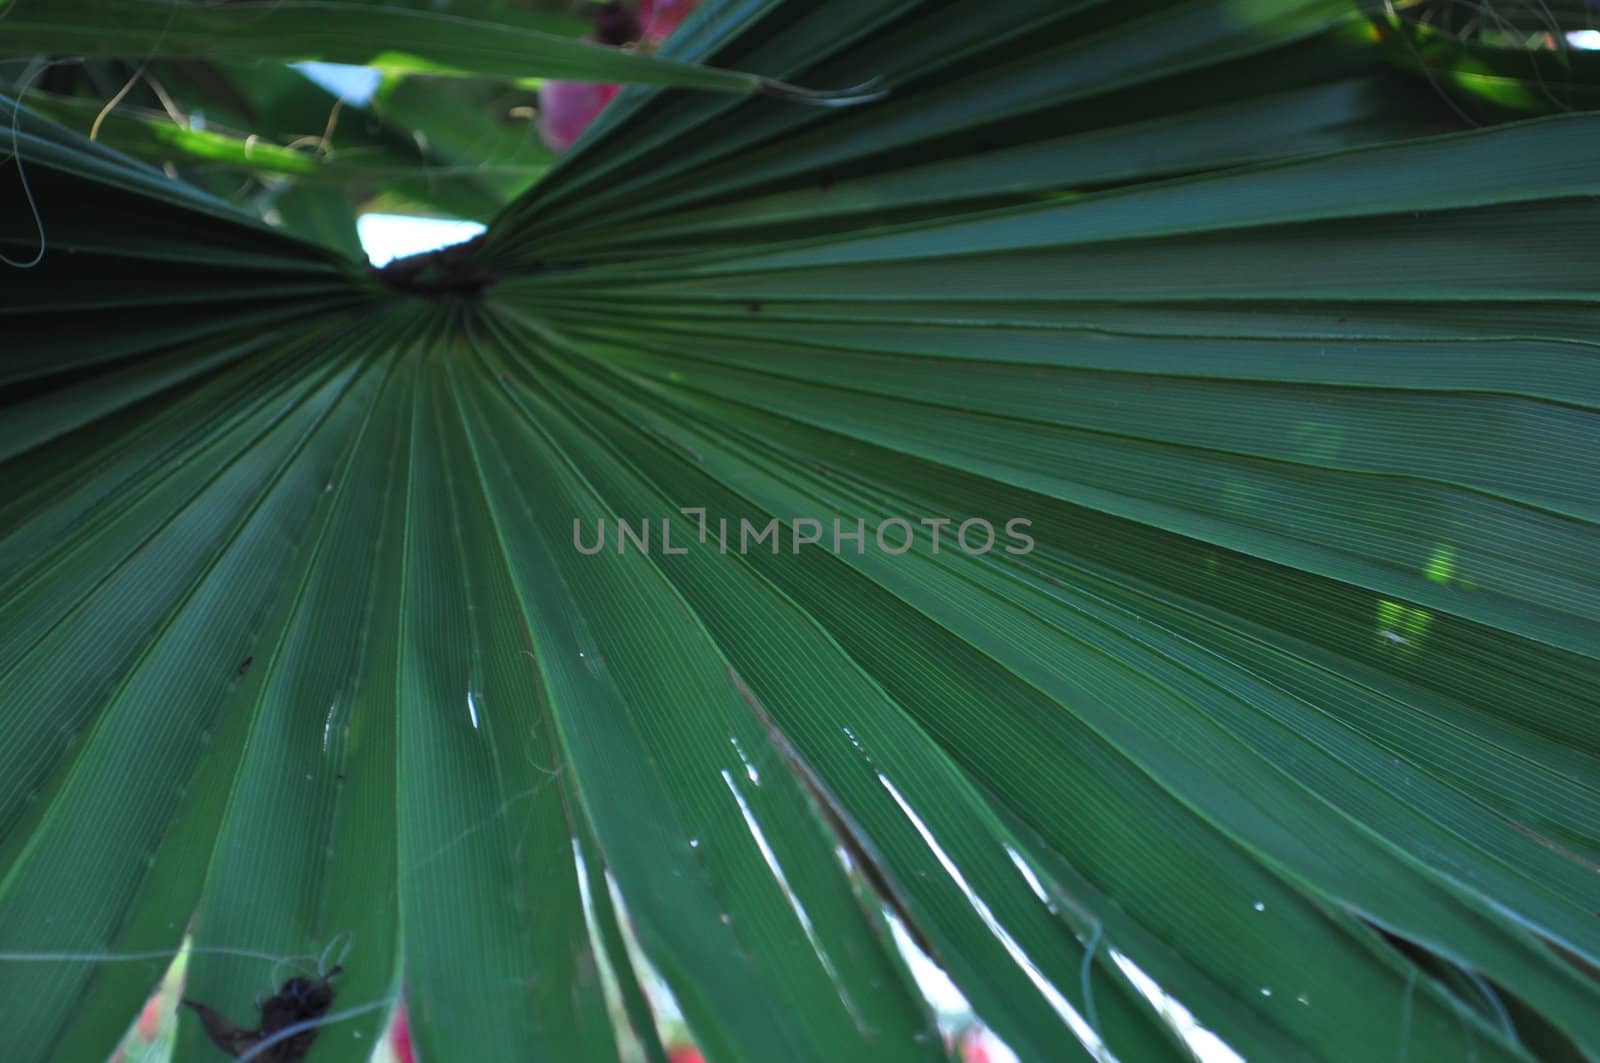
(1063, 1007)
(953, 1012)
(936, 986)
(1588, 40)
(662, 1002)
(749, 768)
(1032, 879)
(608, 975)
(356, 84)
(788, 892)
(386, 237)
(1206, 1046)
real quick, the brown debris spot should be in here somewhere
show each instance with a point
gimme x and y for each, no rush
(298, 1000)
(449, 272)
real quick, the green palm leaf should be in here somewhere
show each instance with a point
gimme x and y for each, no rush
(389, 37)
(1289, 711)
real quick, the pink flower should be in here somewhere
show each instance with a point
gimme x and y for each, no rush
(567, 107)
(661, 17)
(973, 1049)
(400, 1037)
(149, 1024)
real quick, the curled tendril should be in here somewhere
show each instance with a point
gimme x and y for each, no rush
(866, 92)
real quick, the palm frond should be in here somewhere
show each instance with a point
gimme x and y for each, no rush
(1289, 710)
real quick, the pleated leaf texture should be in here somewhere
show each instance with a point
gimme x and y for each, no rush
(1290, 710)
